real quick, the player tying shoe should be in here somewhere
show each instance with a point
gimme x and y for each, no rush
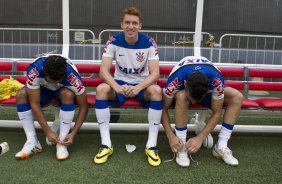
(136, 71)
(196, 80)
(48, 78)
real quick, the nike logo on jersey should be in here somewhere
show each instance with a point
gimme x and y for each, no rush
(120, 55)
(156, 123)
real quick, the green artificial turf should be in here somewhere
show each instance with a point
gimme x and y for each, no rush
(259, 156)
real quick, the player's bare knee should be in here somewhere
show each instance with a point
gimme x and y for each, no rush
(21, 93)
(180, 96)
(155, 92)
(235, 100)
(238, 98)
(67, 95)
(21, 96)
(102, 91)
(181, 100)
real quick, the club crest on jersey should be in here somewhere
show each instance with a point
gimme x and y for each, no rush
(218, 86)
(172, 86)
(32, 75)
(140, 56)
(74, 81)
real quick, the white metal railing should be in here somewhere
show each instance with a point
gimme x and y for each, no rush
(172, 45)
(262, 49)
(31, 42)
(176, 44)
(144, 127)
(43, 35)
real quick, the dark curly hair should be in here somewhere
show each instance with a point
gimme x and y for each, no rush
(55, 67)
(198, 85)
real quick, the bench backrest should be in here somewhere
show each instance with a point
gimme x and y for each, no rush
(5, 67)
(164, 70)
(265, 73)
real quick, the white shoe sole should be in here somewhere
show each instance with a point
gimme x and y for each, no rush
(208, 141)
(62, 158)
(183, 165)
(217, 155)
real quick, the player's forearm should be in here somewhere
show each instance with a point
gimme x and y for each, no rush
(36, 109)
(166, 124)
(82, 113)
(151, 79)
(108, 78)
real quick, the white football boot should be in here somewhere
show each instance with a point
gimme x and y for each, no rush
(182, 157)
(28, 150)
(226, 155)
(4, 147)
(208, 141)
(55, 127)
(62, 152)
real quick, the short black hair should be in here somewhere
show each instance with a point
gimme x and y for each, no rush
(55, 67)
(198, 85)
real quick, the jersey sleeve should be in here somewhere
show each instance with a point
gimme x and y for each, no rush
(109, 48)
(173, 84)
(33, 77)
(217, 88)
(74, 83)
(153, 51)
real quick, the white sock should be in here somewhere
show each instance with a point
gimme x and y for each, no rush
(26, 118)
(182, 134)
(103, 118)
(223, 137)
(154, 117)
(66, 118)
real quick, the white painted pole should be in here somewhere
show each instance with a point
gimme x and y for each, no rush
(66, 28)
(144, 127)
(198, 28)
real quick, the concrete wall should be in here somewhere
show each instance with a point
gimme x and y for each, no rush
(256, 16)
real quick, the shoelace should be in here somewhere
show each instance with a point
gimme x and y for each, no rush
(155, 152)
(102, 148)
(189, 154)
(228, 152)
(154, 149)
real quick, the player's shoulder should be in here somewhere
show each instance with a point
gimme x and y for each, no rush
(38, 63)
(146, 40)
(117, 39)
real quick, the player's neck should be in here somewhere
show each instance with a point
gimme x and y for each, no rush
(131, 41)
